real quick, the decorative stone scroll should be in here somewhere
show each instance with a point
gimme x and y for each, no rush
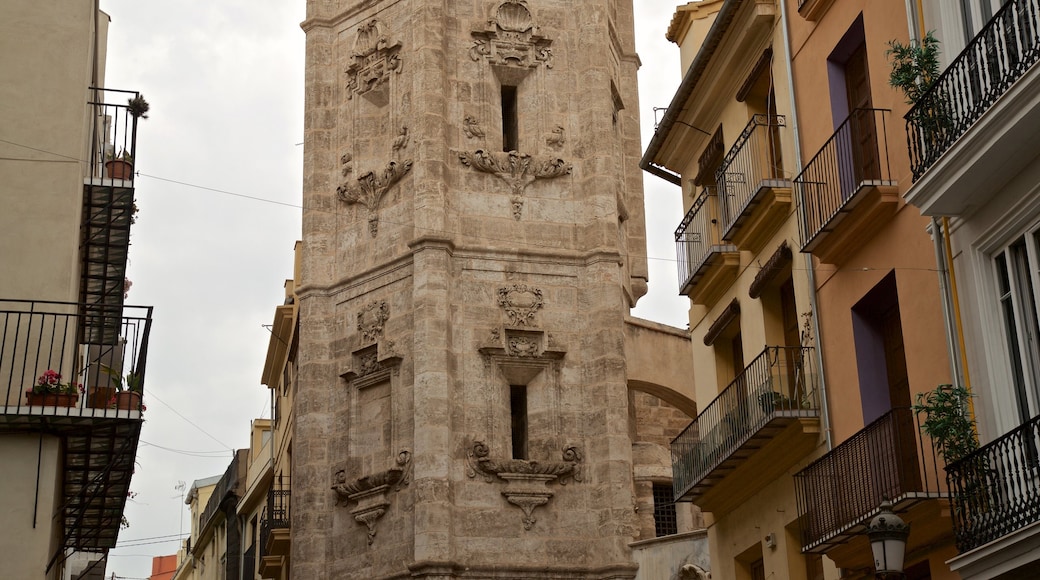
(511, 39)
(372, 492)
(520, 303)
(526, 481)
(369, 188)
(371, 318)
(517, 169)
(373, 59)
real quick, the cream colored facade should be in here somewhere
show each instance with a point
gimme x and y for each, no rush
(188, 568)
(468, 403)
(789, 476)
(51, 53)
(280, 376)
(728, 139)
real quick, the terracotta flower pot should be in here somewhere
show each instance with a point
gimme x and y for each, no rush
(51, 399)
(119, 169)
(128, 401)
(101, 397)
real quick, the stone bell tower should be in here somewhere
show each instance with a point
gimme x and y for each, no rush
(473, 239)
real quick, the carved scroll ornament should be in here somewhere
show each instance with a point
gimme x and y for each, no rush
(372, 492)
(526, 480)
(369, 188)
(517, 169)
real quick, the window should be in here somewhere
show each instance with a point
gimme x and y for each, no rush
(518, 420)
(665, 523)
(1017, 270)
(510, 119)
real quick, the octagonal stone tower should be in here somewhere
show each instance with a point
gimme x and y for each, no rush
(473, 239)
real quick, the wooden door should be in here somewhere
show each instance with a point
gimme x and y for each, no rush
(863, 132)
(792, 356)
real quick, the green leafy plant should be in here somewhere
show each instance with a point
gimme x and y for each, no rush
(138, 107)
(132, 381)
(915, 68)
(948, 421)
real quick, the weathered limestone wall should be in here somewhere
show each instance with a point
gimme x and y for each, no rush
(439, 270)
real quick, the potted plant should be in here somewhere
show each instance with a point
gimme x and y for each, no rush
(947, 421)
(119, 166)
(915, 68)
(138, 107)
(50, 391)
(128, 390)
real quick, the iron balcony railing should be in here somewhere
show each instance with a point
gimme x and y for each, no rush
(754, 160)
(780, 382)
(275, 514)
(855, 156)
(697, 238)
(1000, 54)
(113, 136)
(54, 338)
(887, 460)
(996, 489)
(226, 488)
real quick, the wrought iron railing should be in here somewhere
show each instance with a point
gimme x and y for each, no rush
(226, 488)
(697, 237)
(996, 489)
(754, 158)
(1006, 47)
(886, 460)
(41, 337)
(856, 155)
(275, 514)
(779, 382)
(113, 136)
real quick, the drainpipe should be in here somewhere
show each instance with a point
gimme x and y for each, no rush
(824, 408)
(939, 240)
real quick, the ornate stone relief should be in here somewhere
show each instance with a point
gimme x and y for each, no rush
(526, 481)
(471, 127)
(556, 139)
(520, 302)
(372, 364)
(512, 39)
(369, 188)
(517, 169)
(371, 318)
(373, 59)
(372, 492)
(401, 141)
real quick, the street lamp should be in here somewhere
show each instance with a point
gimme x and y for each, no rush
(888, 533)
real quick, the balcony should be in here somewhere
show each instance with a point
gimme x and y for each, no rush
(764, 421)
(274, 530)
(839, 493)
(996, 489)
(100, 437)
(846, 190)
(706, 265)
(108, 200)
(979, 124)
(113, 137)
(754, 195)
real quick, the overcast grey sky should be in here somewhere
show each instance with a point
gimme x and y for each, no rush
(220, 162)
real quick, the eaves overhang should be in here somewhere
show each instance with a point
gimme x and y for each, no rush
(691, 80)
